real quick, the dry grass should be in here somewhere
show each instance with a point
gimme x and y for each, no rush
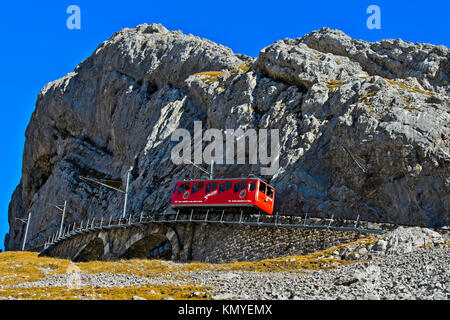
(149, 292)
(19, 267)
(209, 77)
(409, 88)
(334, 84)
(22, 267)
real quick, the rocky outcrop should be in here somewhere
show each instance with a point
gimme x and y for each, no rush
(364, 127)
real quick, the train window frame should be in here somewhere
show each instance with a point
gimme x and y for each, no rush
(270, 195)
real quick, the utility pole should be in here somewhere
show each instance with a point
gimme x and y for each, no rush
(126, 192)
(63, 209)
(27, 222)
(212, 168)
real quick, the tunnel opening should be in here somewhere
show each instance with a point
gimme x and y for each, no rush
(155, 246)
(91, 252)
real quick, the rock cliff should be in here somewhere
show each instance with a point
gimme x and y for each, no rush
(364, 127)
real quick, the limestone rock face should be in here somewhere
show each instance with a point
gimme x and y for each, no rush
(364, 127)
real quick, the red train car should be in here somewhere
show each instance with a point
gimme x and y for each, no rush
(223, 193)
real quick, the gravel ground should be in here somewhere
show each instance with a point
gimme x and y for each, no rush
(422, 274)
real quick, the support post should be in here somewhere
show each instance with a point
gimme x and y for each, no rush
(331, 221)
(306, 217)
(357, 219)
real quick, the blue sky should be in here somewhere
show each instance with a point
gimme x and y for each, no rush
(37, 47)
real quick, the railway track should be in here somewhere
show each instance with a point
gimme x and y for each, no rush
(217, 217)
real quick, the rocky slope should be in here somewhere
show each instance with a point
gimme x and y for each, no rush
(364, 127)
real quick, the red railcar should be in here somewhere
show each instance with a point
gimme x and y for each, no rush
(223, 193)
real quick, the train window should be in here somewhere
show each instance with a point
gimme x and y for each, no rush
(183, 187)
(252, 186)
(175, 189)
(237, 187)
(214, 186)
(225, 186)
(208, 188)
(262, 187)
(243, 185)
(222, 187)
(197, 187)
(269, 191)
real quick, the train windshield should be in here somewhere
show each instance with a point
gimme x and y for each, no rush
(262, 187)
